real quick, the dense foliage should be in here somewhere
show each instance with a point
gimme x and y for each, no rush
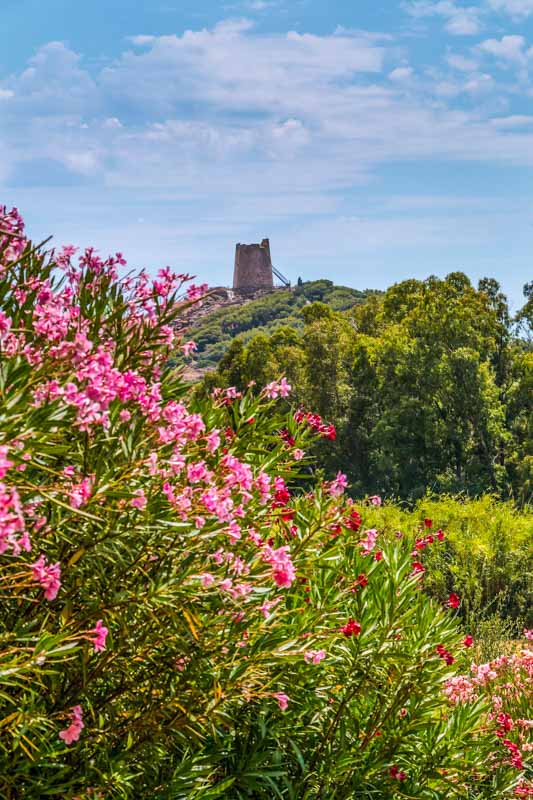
(430, 386)
(266, 314)
(181, 616)
(486, 558)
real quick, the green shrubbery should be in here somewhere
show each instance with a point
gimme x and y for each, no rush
(487, 557)
(182, 614)
(281, 308)
(429, 385)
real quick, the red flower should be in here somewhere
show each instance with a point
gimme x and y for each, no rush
(428, 523)
(468, 641)
(378, 555)
(445, 654)
(353, 522)
(418, 568)
(440, 535)
(395, 772)
(351, 628)
(454, 601)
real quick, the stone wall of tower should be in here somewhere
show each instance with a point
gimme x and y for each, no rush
(253, 267)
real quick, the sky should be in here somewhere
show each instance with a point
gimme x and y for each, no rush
(371, 140)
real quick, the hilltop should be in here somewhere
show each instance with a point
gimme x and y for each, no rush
(219, 321)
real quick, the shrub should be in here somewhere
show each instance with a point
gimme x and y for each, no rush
(487, 557)
(177, 619)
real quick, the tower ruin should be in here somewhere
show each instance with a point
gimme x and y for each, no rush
(253, 267)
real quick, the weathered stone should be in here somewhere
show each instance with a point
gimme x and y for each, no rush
(253, 267)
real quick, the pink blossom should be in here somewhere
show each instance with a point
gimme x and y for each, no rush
(314, 656)
(207, 579)
(277, 389)
(298, 454)
(268, 605)
(80, 493)
(5, 463)
(368, 542)
(283, 570)
(13, 532)
(212, 441)
(139, 501)
(196, 292)
(375, 500)
(283, 700)
(188, 348)
(99, 634)
(48, 575)
(72, 733)
(338, 485)
(197, 472)
(5, 327)
(528, 633)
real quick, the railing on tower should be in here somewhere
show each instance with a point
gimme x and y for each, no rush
(280, 277)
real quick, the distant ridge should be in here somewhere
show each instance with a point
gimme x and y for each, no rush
(226, 314)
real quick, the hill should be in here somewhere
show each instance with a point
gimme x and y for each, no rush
(245, 317)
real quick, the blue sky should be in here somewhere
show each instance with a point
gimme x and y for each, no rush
(371, 141)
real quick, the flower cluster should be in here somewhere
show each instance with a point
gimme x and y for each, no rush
(73, 732)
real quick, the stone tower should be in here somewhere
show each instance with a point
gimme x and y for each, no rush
(253, 267)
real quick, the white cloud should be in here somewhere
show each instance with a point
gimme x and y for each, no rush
(227, 110)
(112, 123)
(517, 9)
(401, 74)
(461, 63)
(141, 40)
(508, 48)
(514, 121)
(460, 20)
(6, 94)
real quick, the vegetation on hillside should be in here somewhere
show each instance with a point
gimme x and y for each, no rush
(214, 333)
(185, 612)
(429, 385)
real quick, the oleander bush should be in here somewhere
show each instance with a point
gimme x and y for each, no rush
(181, 614)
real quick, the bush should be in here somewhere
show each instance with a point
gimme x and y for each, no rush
(177, 619)
(487, 558)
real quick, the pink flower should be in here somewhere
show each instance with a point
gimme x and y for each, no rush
(314, 656)
(528, 633)
(139, 501)
(298, 454)
(268, 605)
(283, 700)
(338, 485)
(99, 636)
(5, 463)
(80, 493)
(367, 544)
(212, 441)
(48, 575)
(277, 389)
(207, 579)
(72, 733)
(188, 348)
(283, 570)
(375, 500)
